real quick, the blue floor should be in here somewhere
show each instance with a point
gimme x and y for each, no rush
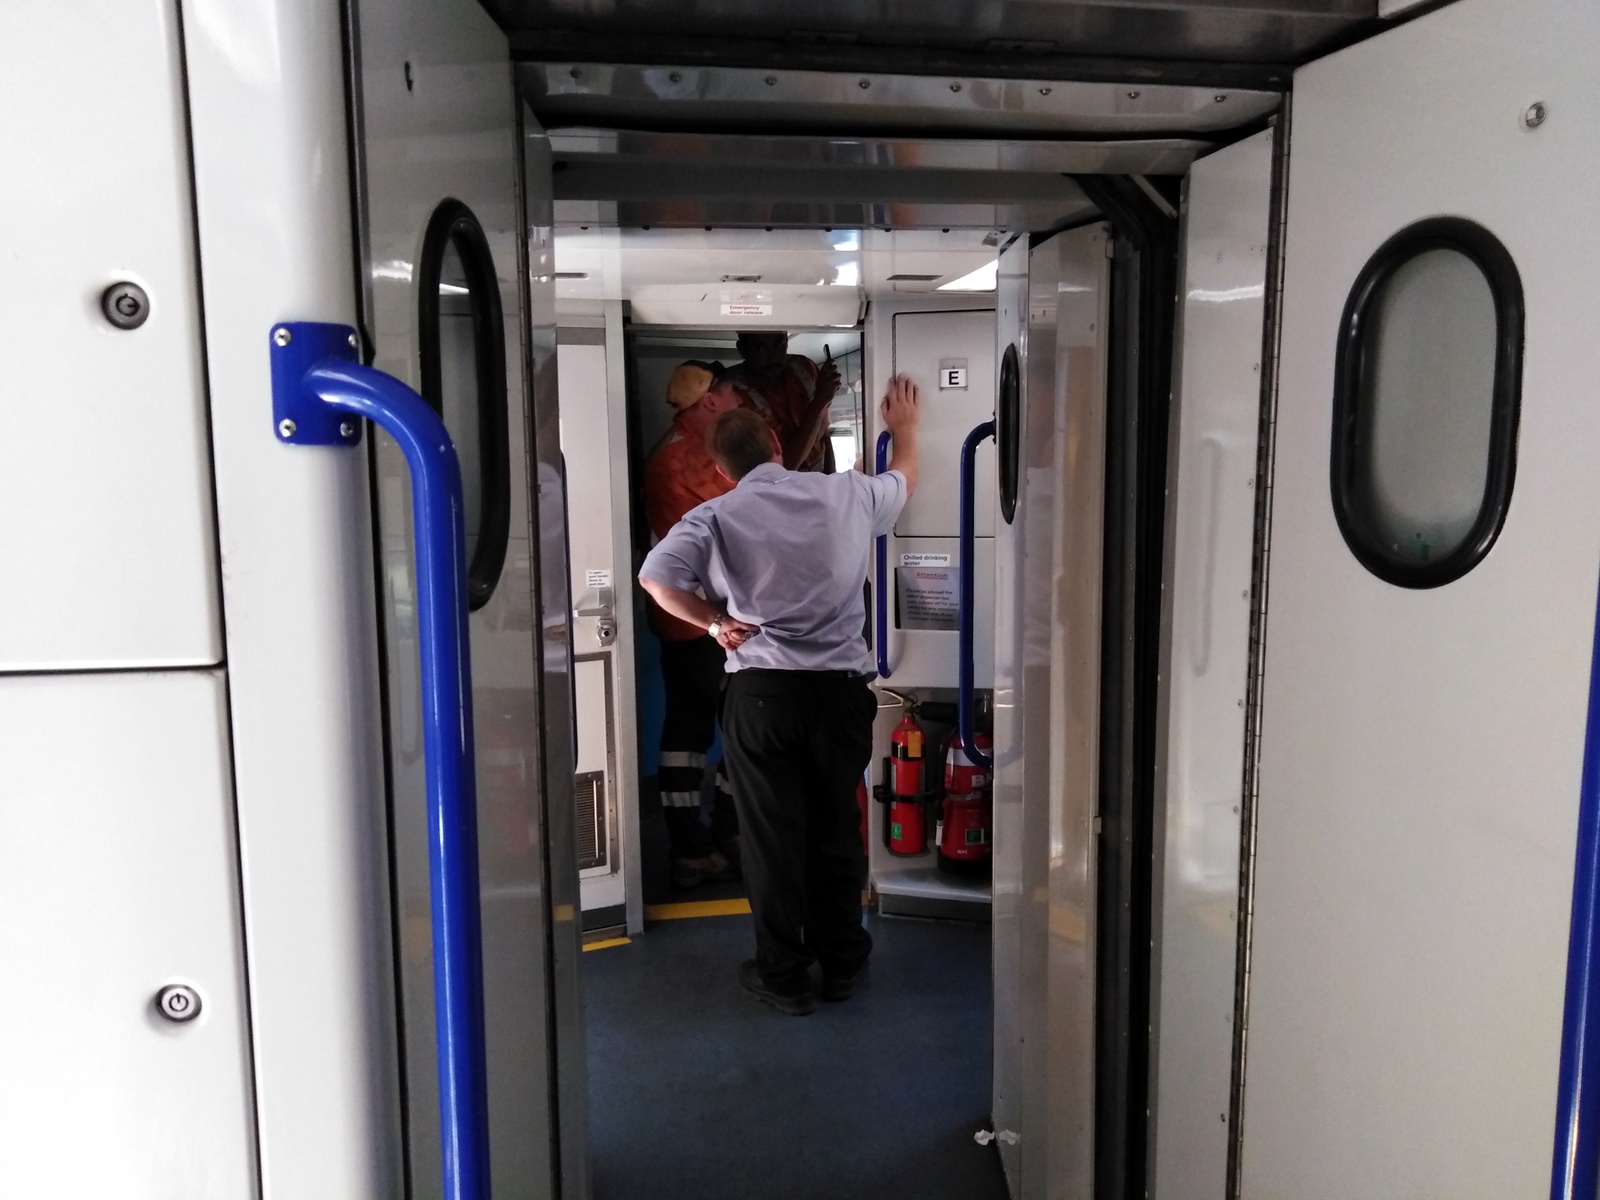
(697, 1092)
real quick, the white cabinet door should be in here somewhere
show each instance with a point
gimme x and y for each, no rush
(108, 552)
(118, 878)
(1422, 745)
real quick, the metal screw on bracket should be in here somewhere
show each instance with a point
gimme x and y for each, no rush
(355, 343)
(178, 1002)
(1220, 98)
(864, 83)
(955, 87)
(286, 427)
(346, 428)
(1533, 116)
(282, 336)
(125, 304)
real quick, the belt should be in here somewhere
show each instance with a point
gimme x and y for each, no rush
(790, 674)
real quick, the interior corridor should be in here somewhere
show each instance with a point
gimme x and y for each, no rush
(697, 1092)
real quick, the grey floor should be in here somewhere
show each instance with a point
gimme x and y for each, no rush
(697, 1092)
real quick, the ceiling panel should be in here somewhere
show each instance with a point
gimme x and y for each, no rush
(1203, 41)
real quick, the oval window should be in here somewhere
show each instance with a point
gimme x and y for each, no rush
(1008, 430)
(461, 342)
(1426, 397)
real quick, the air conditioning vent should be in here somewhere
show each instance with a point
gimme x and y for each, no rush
(914, 278)
(741, 279)
(590, 798)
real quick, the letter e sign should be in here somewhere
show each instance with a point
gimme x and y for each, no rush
(952, 374)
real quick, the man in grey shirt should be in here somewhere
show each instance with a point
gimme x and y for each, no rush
(773, 571)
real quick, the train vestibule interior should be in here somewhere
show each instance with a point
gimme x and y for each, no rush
(1231, 824)
(983, 269)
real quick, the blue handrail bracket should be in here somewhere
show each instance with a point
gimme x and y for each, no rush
(320, 394)
(966, 718)
(299, 416)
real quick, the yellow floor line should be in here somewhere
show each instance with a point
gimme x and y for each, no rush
(696, 908)
(601, 945)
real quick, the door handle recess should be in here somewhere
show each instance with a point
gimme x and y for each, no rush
(319, 392)
(880, 602)
(967, 548)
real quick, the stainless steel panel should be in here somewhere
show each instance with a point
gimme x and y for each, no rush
(607, 94)
(1142, 156)
(439, 121)
(558, 735)
(1053, 302)
(1209, 558)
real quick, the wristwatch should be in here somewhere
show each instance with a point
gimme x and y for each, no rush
(716, 625)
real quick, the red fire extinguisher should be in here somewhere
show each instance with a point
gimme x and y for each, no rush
(961, 774)
(964, 835)
(906, 823)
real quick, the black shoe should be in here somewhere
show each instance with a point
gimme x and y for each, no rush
(842, 987)
(713, 868)
(796, 1004)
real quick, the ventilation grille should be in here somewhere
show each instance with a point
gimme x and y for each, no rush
(914, 278)
(741, 279)
(590, 792)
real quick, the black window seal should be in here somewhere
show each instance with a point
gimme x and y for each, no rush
(1008, 430)
(453, 222)
(1350, 371)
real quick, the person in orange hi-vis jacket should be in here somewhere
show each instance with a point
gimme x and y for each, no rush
(680, 476)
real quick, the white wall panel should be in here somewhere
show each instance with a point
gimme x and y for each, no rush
(117, 877)
(1422, 749)
(267, 102)
(107, 555)
(1211, 527)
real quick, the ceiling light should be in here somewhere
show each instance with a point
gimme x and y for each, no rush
(984, 279)
(847, 275)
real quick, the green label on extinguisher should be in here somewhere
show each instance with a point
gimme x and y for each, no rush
(895, 831)
(977, 837)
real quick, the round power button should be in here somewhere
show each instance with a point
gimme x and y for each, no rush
(125, 304)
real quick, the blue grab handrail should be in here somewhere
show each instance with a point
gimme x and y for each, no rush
(304, 382)
(1575, 1171)
(880, 639)
(967, 551)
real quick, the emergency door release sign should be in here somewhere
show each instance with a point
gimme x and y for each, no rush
(927, 597)
(952, 374)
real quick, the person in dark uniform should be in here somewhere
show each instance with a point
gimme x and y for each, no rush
(793, 393)
(773, 571)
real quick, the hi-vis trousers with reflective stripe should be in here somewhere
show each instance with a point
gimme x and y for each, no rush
(692, 673)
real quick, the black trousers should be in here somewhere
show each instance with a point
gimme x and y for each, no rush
(796, 745)
(692, 676)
